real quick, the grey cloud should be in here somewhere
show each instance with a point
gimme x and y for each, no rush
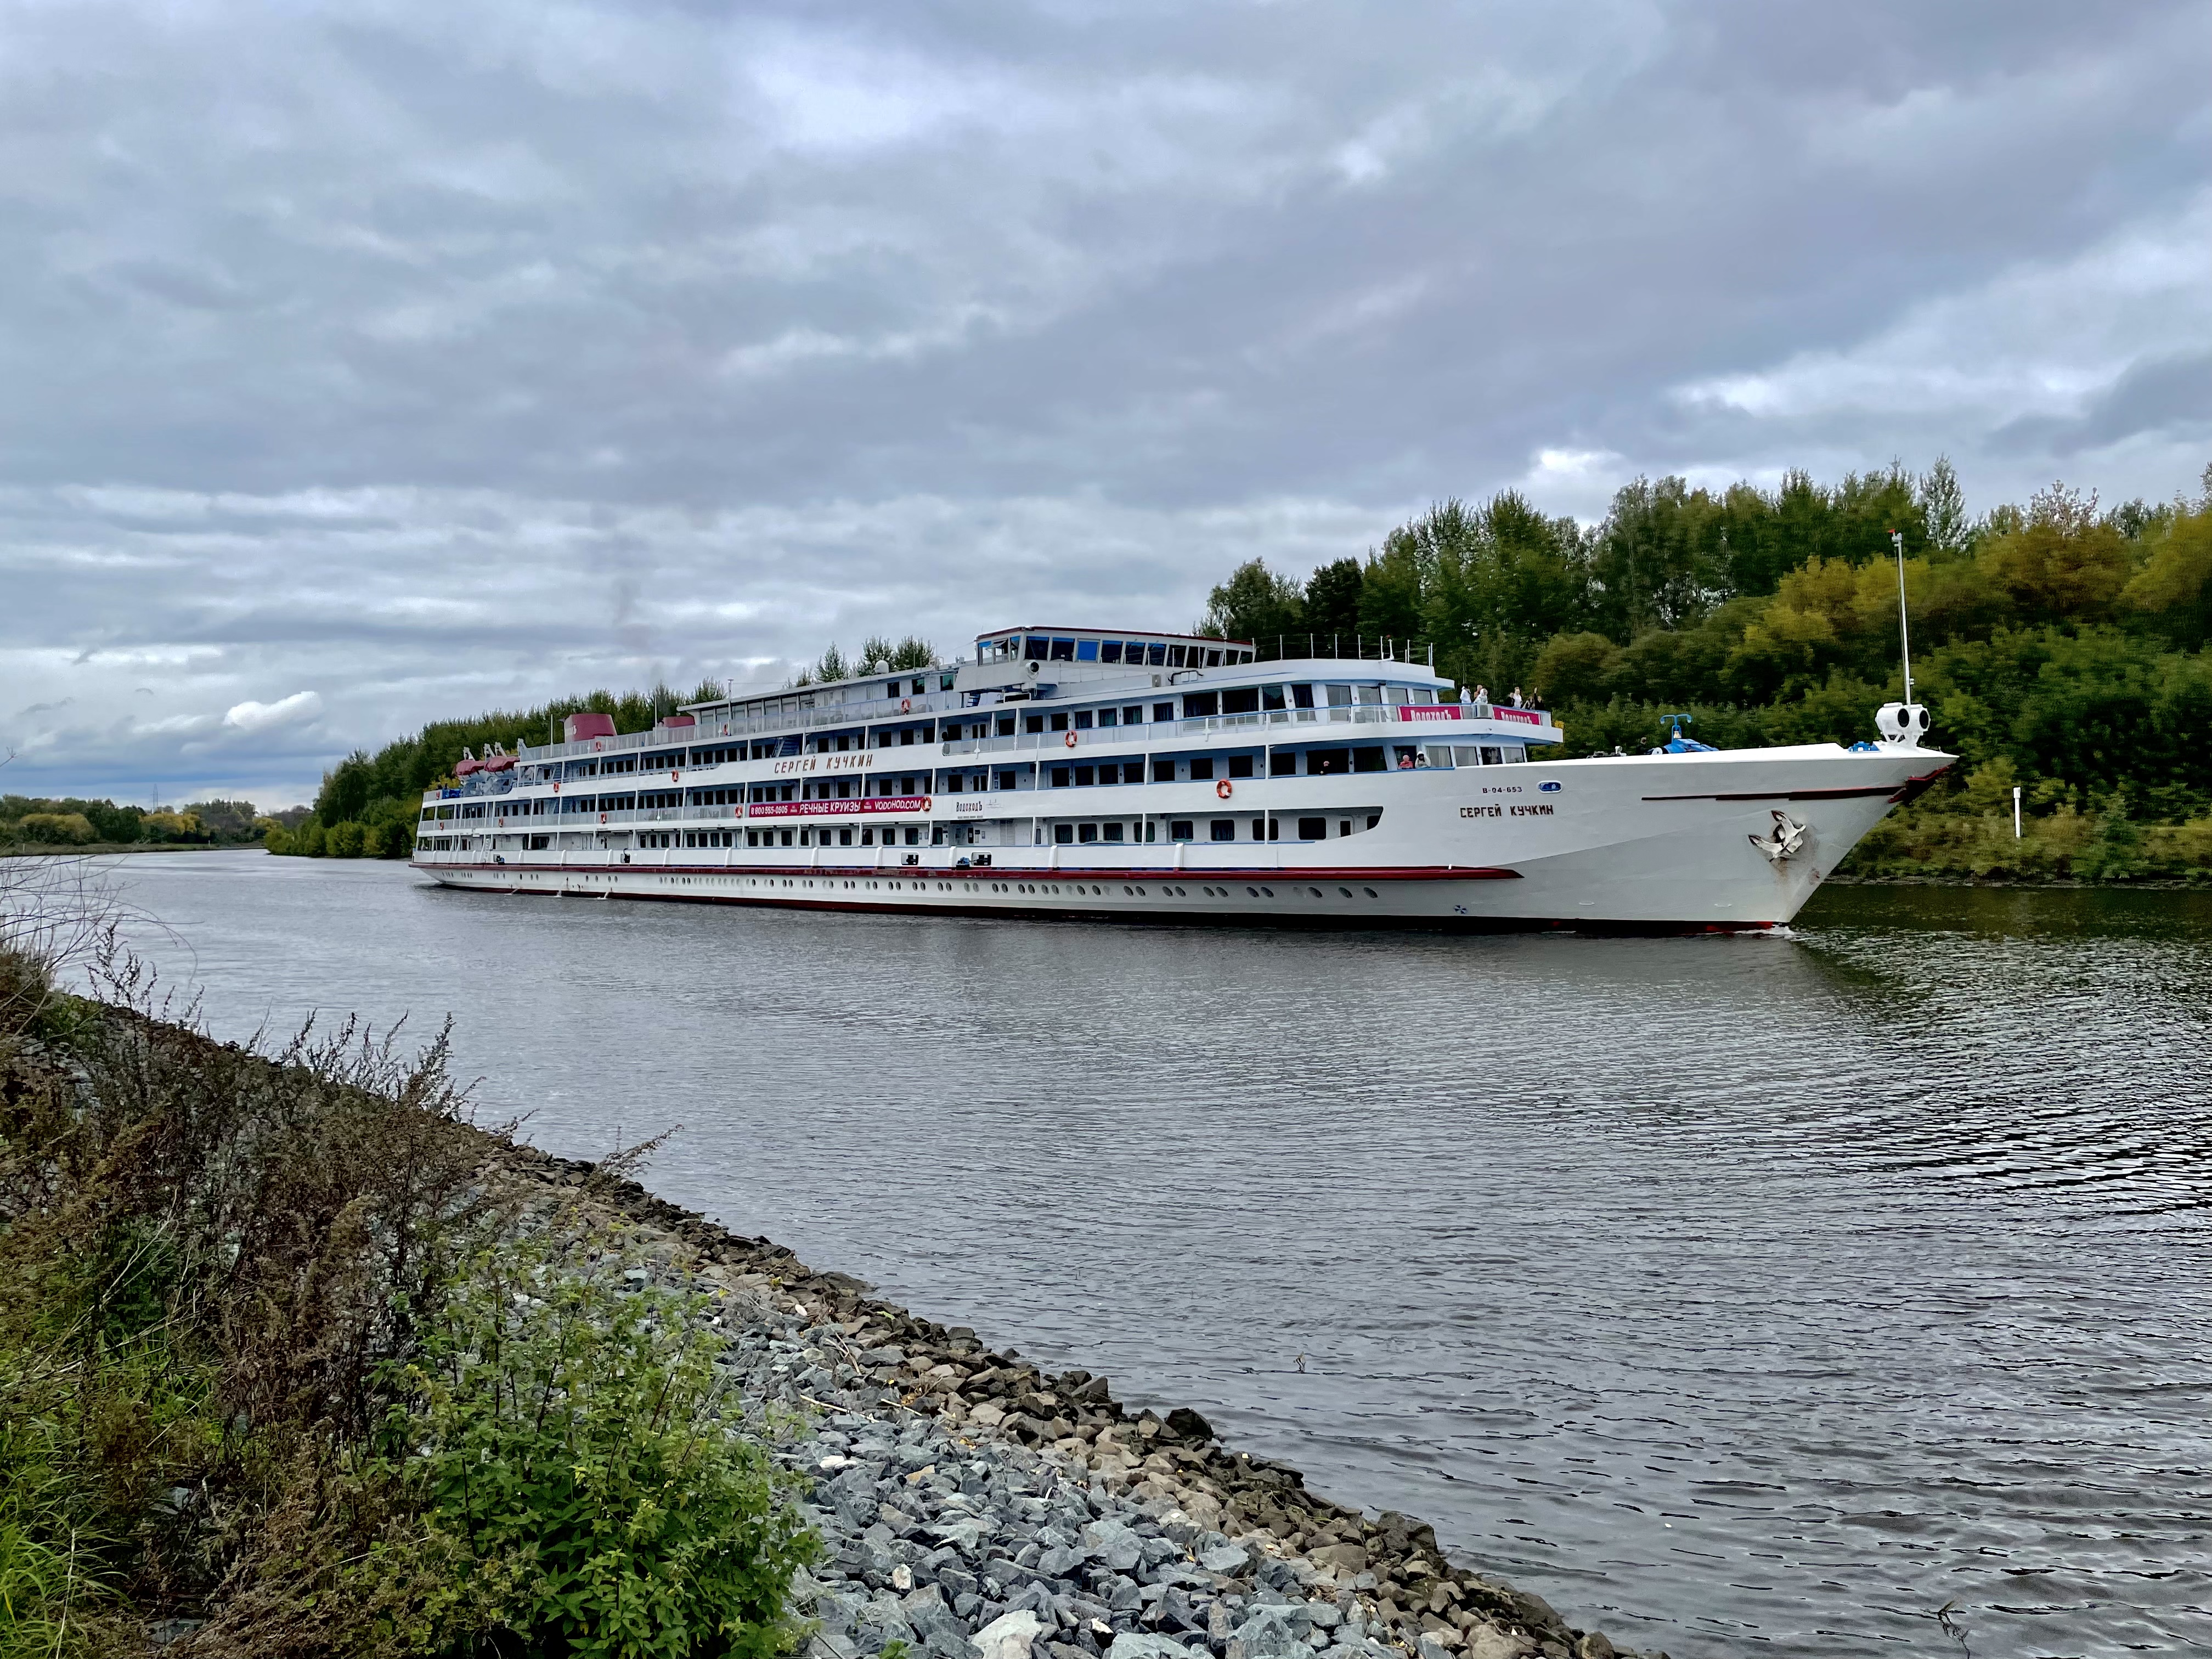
(2162, 395)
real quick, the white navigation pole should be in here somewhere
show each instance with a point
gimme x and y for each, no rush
(1904, 632)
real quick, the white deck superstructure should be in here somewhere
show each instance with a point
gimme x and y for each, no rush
(1158, 776)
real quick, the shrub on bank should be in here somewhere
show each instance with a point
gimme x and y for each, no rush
(56, 828)
(263, 1371)
(347, 840)
(573, 1468)
(2058, 841)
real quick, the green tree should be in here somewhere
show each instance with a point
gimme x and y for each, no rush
(1254, 604)
(1332, 601)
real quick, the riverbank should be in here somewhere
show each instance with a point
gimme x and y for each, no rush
(29, 849)
(279, 1269)
(960, 1488)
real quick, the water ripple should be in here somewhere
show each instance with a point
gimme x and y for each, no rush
(1743, 1296)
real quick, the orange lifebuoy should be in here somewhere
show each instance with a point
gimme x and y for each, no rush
(1070, 740)
(603, 817)
(906, 705)
(676, 777)
(1225, 789)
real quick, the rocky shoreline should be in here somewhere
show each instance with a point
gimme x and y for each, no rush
(974, 1507)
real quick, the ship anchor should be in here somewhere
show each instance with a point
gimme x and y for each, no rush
(1787, 839)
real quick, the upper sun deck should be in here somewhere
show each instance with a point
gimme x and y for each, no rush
(1019, 646)
(1028, 664)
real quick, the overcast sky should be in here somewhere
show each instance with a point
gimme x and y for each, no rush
(366, 363)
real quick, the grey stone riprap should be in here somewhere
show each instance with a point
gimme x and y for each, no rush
(971, 1507)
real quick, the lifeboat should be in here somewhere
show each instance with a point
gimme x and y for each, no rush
(468, 763)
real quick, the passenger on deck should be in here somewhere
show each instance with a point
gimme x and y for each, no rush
(1482, 703)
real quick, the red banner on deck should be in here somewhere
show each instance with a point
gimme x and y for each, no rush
(1458, 711)
(856, 804)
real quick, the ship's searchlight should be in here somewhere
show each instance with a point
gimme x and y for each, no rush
(1902, 724)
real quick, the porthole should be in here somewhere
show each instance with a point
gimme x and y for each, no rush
(1251, 892)
(1315, 891)
(1269, 891)
(1346, 891)
(1371, 892)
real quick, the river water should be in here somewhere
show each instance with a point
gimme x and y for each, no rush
(1740, 1296)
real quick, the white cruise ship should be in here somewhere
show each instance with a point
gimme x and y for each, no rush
(1162, 776)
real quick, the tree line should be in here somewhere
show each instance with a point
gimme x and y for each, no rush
(2058, 645)
(43, 824)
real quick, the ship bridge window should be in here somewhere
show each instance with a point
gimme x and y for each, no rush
(1086, 651)
(1110, 650)
(1174, 656)
(1063, 651)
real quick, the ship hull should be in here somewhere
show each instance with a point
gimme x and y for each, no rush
(1729, 841)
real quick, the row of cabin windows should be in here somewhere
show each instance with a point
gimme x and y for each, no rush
(1195, 705)
(1282, 763)
(889, 835)
(1261, 829)
(1154, 653)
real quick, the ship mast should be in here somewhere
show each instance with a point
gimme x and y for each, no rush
(1904, 630)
